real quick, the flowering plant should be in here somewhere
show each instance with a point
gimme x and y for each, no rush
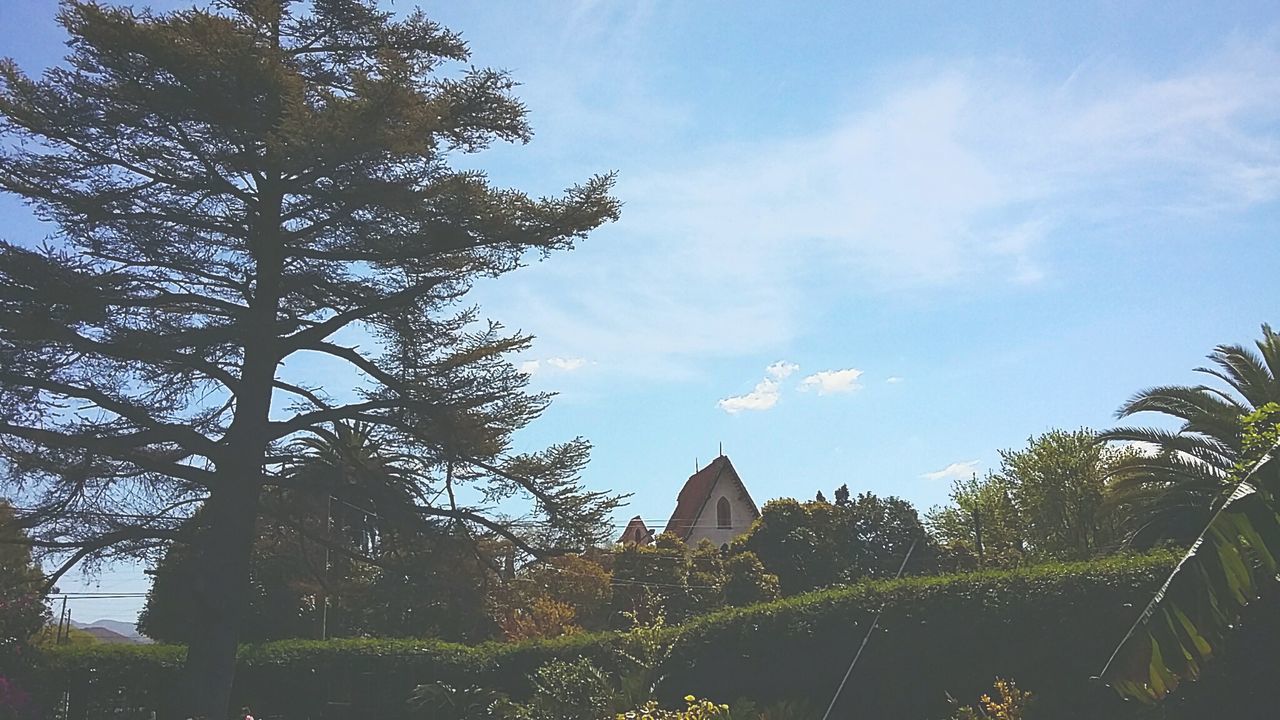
(695, 710)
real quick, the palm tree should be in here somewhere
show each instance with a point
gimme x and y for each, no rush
(357, 480)
(1172, 487)
(1219, 466)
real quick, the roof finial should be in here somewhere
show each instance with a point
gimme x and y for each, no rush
(721, 448)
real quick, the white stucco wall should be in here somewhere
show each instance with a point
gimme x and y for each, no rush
(741, 514)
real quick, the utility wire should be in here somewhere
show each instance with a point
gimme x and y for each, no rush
(94, 596)
(865, 638)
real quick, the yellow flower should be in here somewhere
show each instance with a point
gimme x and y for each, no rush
(689, 698)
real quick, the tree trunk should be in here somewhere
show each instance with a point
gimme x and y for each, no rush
(232, 507)
(222, 592)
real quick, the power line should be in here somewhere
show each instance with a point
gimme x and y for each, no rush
(109, 514)
(94, 596)
(865, 638)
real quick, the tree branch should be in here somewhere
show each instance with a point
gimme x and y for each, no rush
(92, 546)
(116, 447)
(322, 330)
(139, 416)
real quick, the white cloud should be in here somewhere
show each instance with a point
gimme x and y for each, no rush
(566, 364)
(893, 380)
(954, 471)
(559, 364)
(782, 369)
(829, 382)
(763, 397)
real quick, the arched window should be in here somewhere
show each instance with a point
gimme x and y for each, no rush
(724, 516)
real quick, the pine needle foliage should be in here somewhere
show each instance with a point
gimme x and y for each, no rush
(239, 195)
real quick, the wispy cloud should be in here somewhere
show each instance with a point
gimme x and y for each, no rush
(566, 364)
(893, 379)
(558, 364)
(829, 382)
(956, 178)
(954, 471)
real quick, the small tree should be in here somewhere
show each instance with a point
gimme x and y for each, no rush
(816, 544)
(1059, 485)
(982, 520)
(22, 608)
(573, 581)
(235, 190)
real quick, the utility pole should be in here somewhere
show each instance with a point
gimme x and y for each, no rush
(324, 584)
(977, 532)
(62, 616)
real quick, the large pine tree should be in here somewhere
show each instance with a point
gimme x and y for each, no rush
(235, 189)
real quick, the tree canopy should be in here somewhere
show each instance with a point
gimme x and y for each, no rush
(816, 544)
(235, 190)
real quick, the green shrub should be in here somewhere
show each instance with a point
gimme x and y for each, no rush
(1052, 627)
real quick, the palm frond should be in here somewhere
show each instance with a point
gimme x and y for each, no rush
(1246, 372)
(1200, 409)
(1207, 449)
(1188, 620)
(1269, 348)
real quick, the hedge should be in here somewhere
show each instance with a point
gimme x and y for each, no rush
(1049, 627)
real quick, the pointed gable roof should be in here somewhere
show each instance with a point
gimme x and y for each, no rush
(697, 491)
(637, 533)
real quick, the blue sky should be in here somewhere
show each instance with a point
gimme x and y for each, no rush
(944, 228)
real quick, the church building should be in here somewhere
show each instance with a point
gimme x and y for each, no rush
(713, 504)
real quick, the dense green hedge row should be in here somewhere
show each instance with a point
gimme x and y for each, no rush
(301, 678)
(1050, 627)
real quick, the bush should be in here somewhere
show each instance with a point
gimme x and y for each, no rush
(1010, 703)
(1052, 627)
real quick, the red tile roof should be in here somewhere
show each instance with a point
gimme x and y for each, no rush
(697, 491)
(637, 533)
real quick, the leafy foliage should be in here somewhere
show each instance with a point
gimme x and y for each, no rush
(938, 635)
(342, 555)
(432, 582)
(440, 701)
(1233, 562)
(816, 544)
(983, 520)
(675, 581)
(22, 609)
(560, 595)
(1048, 500)
(1010, 703)
(695, 709)
(543, 618)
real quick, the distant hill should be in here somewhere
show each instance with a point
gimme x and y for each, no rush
(104, 635)
(113, 631)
